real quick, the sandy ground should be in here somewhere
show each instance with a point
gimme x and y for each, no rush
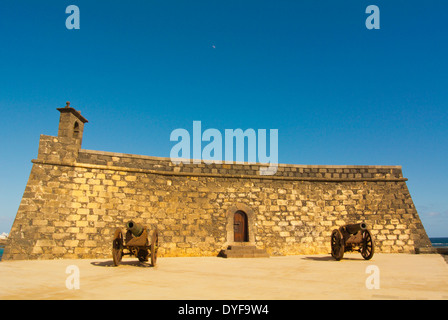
(400, 276)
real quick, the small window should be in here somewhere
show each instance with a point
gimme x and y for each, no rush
(76, 130)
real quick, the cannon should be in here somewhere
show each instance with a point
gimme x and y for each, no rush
(139, 242)
(352, 237)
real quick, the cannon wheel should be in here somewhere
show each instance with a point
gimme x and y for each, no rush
(154, 246)
(367, 249)
(117, 247)
(337, 245)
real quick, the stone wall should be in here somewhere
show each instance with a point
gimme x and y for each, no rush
(71, 211)
(75, 199)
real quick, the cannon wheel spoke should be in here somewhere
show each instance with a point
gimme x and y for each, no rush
(368, 247)
(337, 245)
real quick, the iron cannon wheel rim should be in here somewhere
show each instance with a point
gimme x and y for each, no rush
(368, 246)
(337, 245)
(117, 247)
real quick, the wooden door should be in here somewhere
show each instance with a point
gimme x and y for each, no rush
(240, 227)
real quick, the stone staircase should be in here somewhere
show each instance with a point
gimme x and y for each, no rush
(243, 251)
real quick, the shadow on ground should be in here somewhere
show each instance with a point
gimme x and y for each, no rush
(330, 258)
(110, 263)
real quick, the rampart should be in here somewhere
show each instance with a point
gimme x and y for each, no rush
(75, 199)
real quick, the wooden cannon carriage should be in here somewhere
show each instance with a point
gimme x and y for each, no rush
(138, 242)
(352, 237)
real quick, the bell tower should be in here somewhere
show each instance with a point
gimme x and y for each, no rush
(71, 124)
(65, 147)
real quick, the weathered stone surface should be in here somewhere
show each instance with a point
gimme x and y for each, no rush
(75, 199)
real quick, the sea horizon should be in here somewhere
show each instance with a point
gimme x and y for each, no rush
(439, 241)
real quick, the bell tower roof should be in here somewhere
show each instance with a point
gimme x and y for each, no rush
(76, 113)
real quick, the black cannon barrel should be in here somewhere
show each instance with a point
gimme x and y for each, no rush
(135, 228)
(354, 228)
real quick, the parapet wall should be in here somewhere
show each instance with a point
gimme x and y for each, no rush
(250, 170)
(75, 199)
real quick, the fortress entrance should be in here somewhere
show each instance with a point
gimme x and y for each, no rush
(241, 234)
(240, 227)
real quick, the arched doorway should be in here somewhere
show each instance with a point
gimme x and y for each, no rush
(240, 232)
(240, 227)
(240, 218)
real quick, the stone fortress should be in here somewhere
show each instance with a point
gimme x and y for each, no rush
(75, 199)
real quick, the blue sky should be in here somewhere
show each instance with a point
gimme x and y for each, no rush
(337, 92)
